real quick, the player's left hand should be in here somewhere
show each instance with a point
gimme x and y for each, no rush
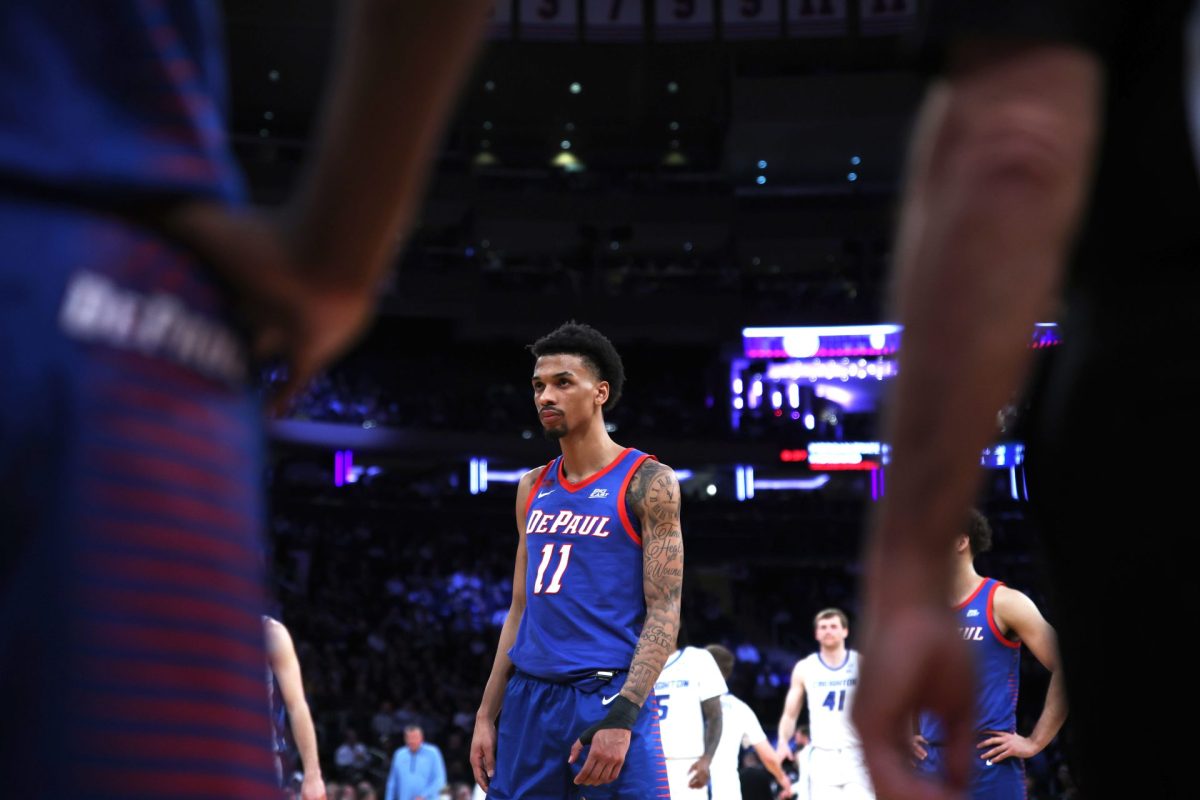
(698, 774)
(1007, 745)
(606, 756)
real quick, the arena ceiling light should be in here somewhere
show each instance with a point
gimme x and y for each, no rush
(567, 162)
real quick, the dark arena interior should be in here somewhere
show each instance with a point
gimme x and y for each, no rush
(720, 188)
(675, 188)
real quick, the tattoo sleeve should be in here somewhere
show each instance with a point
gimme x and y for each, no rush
(653, 494)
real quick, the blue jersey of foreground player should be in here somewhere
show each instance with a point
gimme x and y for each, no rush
(111, 102)
(997, 675)
(584, 605)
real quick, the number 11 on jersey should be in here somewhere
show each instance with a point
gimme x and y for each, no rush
(564, 556)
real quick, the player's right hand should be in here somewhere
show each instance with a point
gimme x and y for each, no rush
(606, 756)
(914, 660)
(785, 787)
(483, 752)
(294, 309)
(784, 751)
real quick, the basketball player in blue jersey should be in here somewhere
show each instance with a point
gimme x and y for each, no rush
(595, 608)
(135, 288)
(995, 621)
(288, 701)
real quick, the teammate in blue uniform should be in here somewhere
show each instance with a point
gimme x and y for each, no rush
(995, 620)
(595, 608)
(134, 290)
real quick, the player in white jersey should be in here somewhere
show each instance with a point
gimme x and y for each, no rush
(689, 693)
(834, 767)
(739, 728)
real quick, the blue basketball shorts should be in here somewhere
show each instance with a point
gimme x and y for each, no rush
(1003, 780)
(539, 723)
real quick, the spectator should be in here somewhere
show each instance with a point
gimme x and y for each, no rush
(418, 771)
(352, 756)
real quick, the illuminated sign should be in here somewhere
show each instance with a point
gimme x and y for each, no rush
(1003, 455)
(834, 341)
(849, 341)
(824, 456)
(831, 370)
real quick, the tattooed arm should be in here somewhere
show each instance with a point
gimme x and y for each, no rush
(654, 496)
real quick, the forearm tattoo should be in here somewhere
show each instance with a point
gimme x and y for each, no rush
(653, 495)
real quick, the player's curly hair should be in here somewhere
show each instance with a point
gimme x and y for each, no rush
(597, 352)
(979, 532)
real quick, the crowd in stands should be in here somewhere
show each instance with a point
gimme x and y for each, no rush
(669, 405)
(395, 605)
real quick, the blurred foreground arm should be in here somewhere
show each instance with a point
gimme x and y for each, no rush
(998, 175)
(307, 279)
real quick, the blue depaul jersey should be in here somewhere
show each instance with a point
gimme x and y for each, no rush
(997, 666)
(584, 602)
(116, 100)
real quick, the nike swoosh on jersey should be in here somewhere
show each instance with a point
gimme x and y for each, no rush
(543, 494)
(606, 700)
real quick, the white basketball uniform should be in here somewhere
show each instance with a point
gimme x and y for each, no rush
(739, 728)
(832, 766)
(689, 677)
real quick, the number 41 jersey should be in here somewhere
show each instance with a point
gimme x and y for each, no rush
(584, 601)
(830, 689)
